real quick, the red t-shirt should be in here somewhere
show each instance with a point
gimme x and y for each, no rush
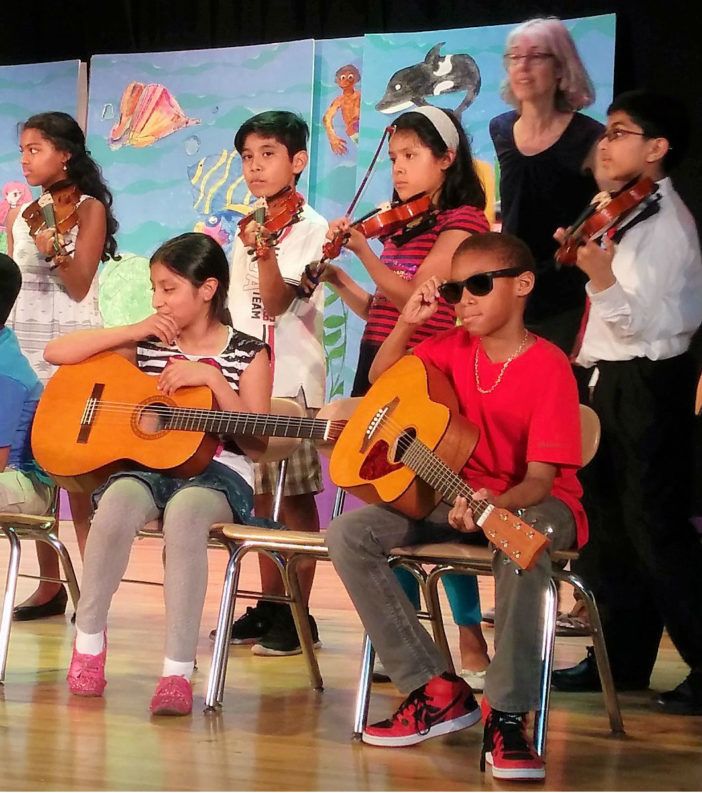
(533, 414)
(405, 261)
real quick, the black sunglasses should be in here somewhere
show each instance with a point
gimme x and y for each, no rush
(479, 284)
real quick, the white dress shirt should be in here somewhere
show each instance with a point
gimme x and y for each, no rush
(296, 336)
(655, 305)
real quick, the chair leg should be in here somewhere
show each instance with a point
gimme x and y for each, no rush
(431, 598)
(9, 599)
(363, 692)
(68, 569)
(302, 623)
(549, 636)
(609, 692)
(220, 652)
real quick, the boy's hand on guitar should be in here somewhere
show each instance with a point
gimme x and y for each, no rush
(179, 374)
(423, 303)
(460, 516)
(162, 326)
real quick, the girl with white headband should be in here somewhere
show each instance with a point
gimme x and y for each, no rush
(431, 155)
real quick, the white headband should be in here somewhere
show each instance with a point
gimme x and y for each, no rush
(442, 123)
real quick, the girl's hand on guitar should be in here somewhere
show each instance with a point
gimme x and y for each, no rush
(460, 516)
(423, 303)
(179, 374)
(162, 326)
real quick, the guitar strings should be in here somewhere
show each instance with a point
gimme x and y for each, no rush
(185, 415)
(443, 474)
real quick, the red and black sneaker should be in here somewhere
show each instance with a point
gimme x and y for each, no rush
(444, 704)
(507, 749)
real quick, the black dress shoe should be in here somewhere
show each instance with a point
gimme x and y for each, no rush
(685, 699)
(52, 608)
(581, 677)
(584, 677)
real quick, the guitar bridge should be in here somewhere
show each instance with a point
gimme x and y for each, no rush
(374, 424)
(89, 413)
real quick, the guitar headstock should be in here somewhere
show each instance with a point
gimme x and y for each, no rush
(515, 538)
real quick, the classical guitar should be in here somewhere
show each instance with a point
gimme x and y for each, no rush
(104, 415)
(404, 446)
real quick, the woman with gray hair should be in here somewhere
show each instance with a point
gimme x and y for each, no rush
(545, 149)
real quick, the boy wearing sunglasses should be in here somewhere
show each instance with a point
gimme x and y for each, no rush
(643, 560)
(519, 390)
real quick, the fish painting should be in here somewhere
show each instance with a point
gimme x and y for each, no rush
(147, 113)
(435, 76)
(218, 184)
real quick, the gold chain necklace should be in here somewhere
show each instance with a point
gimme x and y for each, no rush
(517, 352)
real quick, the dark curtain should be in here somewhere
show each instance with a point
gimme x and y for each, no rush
(657, 42)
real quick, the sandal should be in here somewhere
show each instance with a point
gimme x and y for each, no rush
(570, 625)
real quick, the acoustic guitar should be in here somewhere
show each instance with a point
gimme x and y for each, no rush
(404, 446)
(104, 415)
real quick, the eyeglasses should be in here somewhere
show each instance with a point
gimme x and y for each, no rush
(511, 59)
(617, 133)
(478, 285)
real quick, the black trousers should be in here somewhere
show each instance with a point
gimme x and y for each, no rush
(644, 558)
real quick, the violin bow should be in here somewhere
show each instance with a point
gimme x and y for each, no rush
(314, 273)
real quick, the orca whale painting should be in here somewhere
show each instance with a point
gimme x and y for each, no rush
(436, 75)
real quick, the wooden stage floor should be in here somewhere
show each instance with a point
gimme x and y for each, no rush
(274, 732)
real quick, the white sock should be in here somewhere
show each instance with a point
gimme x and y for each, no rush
(182, 668)
(89, 643)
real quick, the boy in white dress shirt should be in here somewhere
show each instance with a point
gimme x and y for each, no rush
(643, 559)
(263, 302)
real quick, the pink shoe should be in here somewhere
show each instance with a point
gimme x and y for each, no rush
(86, 674)
(173, 697)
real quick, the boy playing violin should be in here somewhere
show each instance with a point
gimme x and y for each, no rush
(519, 390)
(643, 559)
(263, 303)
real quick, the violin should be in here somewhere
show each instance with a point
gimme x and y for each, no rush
(274, 214)
(381, 223)
(605, 211)
(55, 208)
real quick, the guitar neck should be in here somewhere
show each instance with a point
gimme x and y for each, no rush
(432, 470)
(227, 423)
(518, 540)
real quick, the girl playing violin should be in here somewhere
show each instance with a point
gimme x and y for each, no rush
(187, 342)
(430, 155)
(60, 289)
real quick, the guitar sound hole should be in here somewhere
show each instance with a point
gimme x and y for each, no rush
(403, 443)
(153, 418)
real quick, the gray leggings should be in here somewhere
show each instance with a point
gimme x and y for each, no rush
(125, 507)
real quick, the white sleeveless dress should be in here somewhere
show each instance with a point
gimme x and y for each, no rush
(44, 309)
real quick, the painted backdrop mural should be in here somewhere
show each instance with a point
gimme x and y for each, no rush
(162, 125)
(24, 90)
